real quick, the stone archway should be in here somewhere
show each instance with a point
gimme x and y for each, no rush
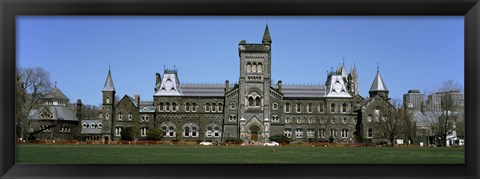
(254, 131)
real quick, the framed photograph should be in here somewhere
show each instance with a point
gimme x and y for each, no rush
(134, 79)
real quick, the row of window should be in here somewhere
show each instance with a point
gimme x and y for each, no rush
(63, 129)
(189, 130)
(344, 133)
(310, 120)
(189, 107)
(254, 101)
(120, 116)
(59, 103)
(92, 125)
(254, 67)
(309, 108)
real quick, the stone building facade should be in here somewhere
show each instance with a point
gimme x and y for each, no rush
(53, 119)
(252, 109)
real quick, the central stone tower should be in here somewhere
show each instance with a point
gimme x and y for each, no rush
(254, 88)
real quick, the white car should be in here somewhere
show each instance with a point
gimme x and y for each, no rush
(271, 144)
(206, 143)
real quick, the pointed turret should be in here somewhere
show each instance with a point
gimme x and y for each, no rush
(266, 36)
(378, 86)
(109, 83)
(343, 71)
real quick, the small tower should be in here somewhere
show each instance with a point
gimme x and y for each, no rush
(378, 87)
(79, 110)
(108, 102)
(353, 81)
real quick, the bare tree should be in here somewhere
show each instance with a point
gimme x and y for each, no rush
(32, 85)
(392, 121)
(445, 110)
(88, 111)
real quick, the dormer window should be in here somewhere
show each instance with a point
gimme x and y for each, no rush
(46, 115)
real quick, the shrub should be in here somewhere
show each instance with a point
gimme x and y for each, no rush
(323, 140)
(233, 140)
(331, 139)
(155, 134)
(127, 134)
(280, 139)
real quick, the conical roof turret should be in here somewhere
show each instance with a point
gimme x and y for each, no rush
(109, 83)
(378, 83)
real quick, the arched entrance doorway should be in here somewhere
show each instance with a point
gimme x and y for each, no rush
(254, 130)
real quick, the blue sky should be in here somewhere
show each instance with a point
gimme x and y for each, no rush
(413, 52)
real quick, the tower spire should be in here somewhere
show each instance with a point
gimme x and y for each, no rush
(378, 86)
(266, 36)
(109, 82)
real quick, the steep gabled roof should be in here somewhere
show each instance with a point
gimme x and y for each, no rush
(109, 83)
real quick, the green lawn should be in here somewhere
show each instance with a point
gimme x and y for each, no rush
(163, 154)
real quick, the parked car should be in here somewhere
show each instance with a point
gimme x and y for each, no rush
(271, 144)
(206, 143)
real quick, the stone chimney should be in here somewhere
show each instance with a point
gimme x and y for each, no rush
(79, 110)
(137, 100)
(279, 85)
(227, 85)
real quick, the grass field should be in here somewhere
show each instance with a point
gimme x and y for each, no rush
(164, 154)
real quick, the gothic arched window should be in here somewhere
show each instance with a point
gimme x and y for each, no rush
(257, 101)
(250, 101)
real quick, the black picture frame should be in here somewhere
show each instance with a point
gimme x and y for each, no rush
(470, 9)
